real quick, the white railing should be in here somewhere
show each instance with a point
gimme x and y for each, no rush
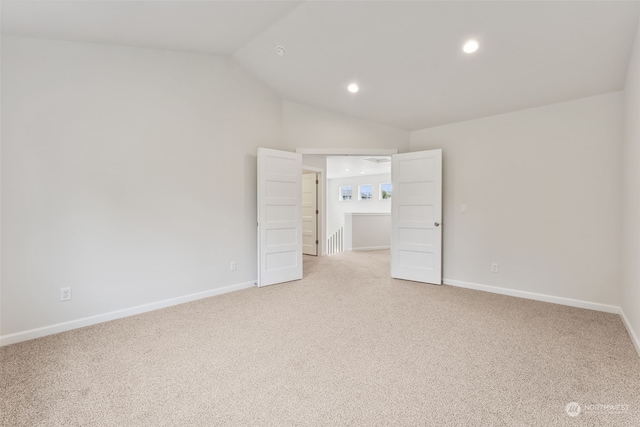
(335, 242)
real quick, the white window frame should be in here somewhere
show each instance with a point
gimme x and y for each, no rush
(380, 192)
(340, 193)
(360, 191)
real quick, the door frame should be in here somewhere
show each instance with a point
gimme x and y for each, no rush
(321, 196)
(348, 151)
(323, 187)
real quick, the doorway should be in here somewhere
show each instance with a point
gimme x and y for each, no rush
(358, 204)
(310, 213)
(416, 235)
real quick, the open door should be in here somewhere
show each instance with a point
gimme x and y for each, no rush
(416, 216)
(279, 216)
(310, 213)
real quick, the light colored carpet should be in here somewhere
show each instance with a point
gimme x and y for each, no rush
(345, 346)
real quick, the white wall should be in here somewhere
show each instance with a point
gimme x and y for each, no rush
(308, 127)
(128, 174)
(542, 188)
(367, 231)
(336, 208)
(631, 187)
(314, 161)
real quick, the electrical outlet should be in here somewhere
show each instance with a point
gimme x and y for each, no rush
(65, 294)
(233, 266)
(494, 267)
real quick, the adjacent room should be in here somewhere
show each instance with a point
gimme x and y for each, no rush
(359, 203)
(320, 213)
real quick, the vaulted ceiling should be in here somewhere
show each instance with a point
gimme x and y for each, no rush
(406, 57)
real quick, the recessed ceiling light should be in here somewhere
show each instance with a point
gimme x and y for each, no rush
(470, 46)
(280, 50)
(361, 172)
(353, 88)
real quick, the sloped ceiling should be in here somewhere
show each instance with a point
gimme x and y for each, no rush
(405, 56)
(218, 27)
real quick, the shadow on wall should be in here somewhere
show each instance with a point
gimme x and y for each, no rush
(251, 211)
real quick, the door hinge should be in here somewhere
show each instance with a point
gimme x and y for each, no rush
(317, 182)
(317, 242)
(317, 212)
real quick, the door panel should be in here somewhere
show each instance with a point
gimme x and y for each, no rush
(416, 216)
(309, 214)
(279, 216)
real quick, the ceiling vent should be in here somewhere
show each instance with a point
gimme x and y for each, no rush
(378, 160)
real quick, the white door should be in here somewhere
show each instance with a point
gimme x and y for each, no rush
(416, 216)
(310, 213)
(279, 216)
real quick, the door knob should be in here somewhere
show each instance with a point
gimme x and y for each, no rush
(437, 224)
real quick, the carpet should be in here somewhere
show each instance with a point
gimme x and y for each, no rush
(347, 345)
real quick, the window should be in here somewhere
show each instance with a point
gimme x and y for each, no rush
(345, 193)
(365, 192)
(385, 191)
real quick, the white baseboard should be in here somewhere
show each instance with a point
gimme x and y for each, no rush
(118, 314)
(632, 333)
(369, 248)
(534, 296)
